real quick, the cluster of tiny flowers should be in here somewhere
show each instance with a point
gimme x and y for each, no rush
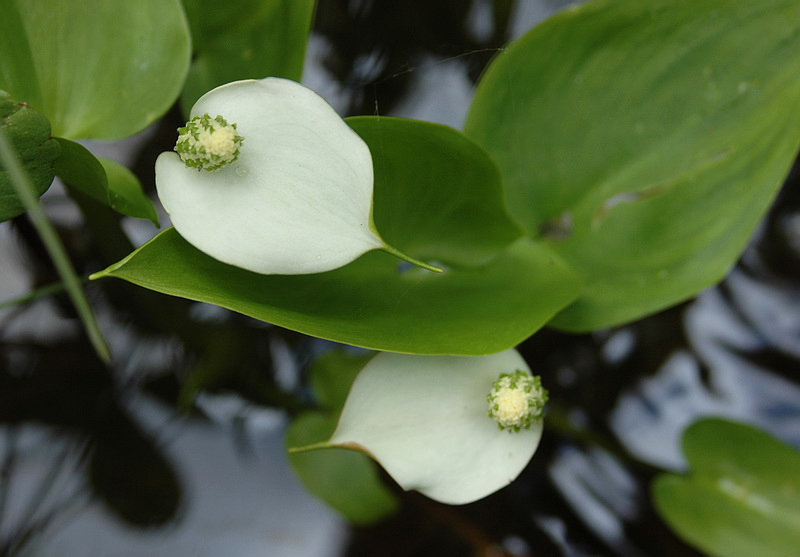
(516, 400)
(207, 143)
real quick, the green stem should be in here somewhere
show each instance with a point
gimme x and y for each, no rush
(42, 292)
(24, 190)
(389, 249)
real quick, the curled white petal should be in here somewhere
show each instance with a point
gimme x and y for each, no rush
(424, 418)
(298, 197)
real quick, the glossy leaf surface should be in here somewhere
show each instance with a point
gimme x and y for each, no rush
(742, 495)
(645, 139)
(97, 69)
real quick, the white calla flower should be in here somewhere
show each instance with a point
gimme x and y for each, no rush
(267, 177)
(427, 421)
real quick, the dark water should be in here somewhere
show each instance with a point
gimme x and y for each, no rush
(177, 450)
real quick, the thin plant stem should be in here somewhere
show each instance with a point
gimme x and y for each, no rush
(41, 292)
(397, 253)
(24, 190)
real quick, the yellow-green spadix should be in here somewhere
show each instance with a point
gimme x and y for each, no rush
(426, 420)
(270, 179)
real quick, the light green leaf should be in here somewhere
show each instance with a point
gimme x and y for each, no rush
(345, 480)
(645, 140)
(29, 134)
(100, 69)
(103, 180)
(245, 39)
(425, 419)
(742, 496)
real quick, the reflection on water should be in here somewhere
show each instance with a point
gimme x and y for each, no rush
(179, 450)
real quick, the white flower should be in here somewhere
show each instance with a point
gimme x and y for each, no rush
(424, 418)
(270, 179)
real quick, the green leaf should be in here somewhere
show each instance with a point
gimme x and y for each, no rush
(369, 302)
(419, 164)
(431, 183)
(645, 140)
(344, 479)
(125, 193)
(29, 134)
(77, 167)
(742, 497)
(103, 180)
(332, 375)
(245, 39)
(100, 69)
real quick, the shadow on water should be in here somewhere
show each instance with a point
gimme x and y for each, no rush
(189, 414)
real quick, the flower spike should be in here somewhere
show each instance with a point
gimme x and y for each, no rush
(516, 401)
(207, 143)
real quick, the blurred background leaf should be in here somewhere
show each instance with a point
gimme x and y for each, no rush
(742, 495)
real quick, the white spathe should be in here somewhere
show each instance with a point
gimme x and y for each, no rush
(425, 420)
(298, 198)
